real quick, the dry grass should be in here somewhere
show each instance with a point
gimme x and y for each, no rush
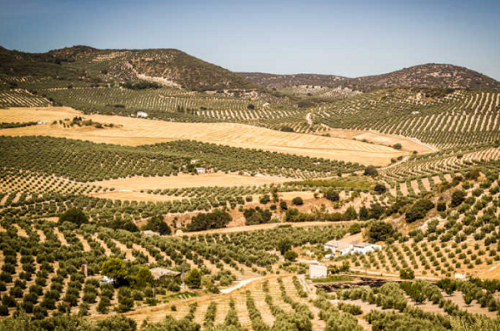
(184, 180)
(408, 144)
(135, 132)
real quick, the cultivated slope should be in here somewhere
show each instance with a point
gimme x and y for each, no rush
(425, 75)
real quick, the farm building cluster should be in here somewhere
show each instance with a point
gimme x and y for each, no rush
(341, 248)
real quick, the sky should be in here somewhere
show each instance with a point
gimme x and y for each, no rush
(343, 37)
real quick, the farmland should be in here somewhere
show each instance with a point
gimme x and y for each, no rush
(148, 189)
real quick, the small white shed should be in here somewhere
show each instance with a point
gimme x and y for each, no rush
(142, 114)
(317, 271)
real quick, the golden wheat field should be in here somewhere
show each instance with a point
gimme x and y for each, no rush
(133, 132)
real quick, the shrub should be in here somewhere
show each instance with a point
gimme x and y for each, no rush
(380, 231)
(371, 171)
(332, 195)
(297, 201)
(214, 220)
(397, 146)
(193, 279)
(291, 255)
(457, 198)
(380, 188)
(418, 210)
(74, 215)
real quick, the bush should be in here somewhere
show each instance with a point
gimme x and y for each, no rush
(371, 171)
(193, 279)
(332, 195)
(380, 231)
(397, 146)
(74, 215)
(214, 220)
(418, 210)
(457, 198)
(441, 206)
(380, 188)
(297, 201)
(291, 255)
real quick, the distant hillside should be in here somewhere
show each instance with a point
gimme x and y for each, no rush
(426, 75)
(431, 75)
(281, 81)
(169, 67)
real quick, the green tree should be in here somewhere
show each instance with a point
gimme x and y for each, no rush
(297, 201)
(380, 231)
(458, 197)
(114, 269)
(332, 195)
(363, 213)
(284, 245)
(193, 278)
(350, 214)
(371, 171)
(143, 277)
(380, 188)
(397, 146)
(74, 215)
(291, 255)
(157, 224)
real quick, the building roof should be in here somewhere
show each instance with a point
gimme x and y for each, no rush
(338, 245)
(162, 272)
(363, 245)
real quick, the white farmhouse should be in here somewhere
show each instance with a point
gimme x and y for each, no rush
(341, 248)
(363, 248)
(200, 170)
(142, 114)
(317, 271)
(338, 248)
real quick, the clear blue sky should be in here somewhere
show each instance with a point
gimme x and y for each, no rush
(349, 37)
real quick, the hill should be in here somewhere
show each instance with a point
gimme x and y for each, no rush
(169, 67)
(425, 75)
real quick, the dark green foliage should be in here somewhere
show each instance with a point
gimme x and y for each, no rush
(332, 195)
(458, 197)
(297, 201)
(284, 245)
(406, 274)
(114, 269)
(193, 278)
(141, 85)
(257, 216)
(157, 224)
(75, 216)
(418, 210)
(290, 255)
(214, 220)
(380, 231)
(380, 188)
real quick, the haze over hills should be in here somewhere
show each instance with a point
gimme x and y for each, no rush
(426, 75)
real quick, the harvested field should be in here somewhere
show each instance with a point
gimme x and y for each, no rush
(184, 180)
(408, 144)
(133, 132)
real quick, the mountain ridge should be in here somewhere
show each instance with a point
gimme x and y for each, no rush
(432, 75)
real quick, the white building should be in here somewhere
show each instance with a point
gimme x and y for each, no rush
(341, 248)
(338, 248)
(142, 114)
(363, 248)
(317, 271)
(200, 170)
